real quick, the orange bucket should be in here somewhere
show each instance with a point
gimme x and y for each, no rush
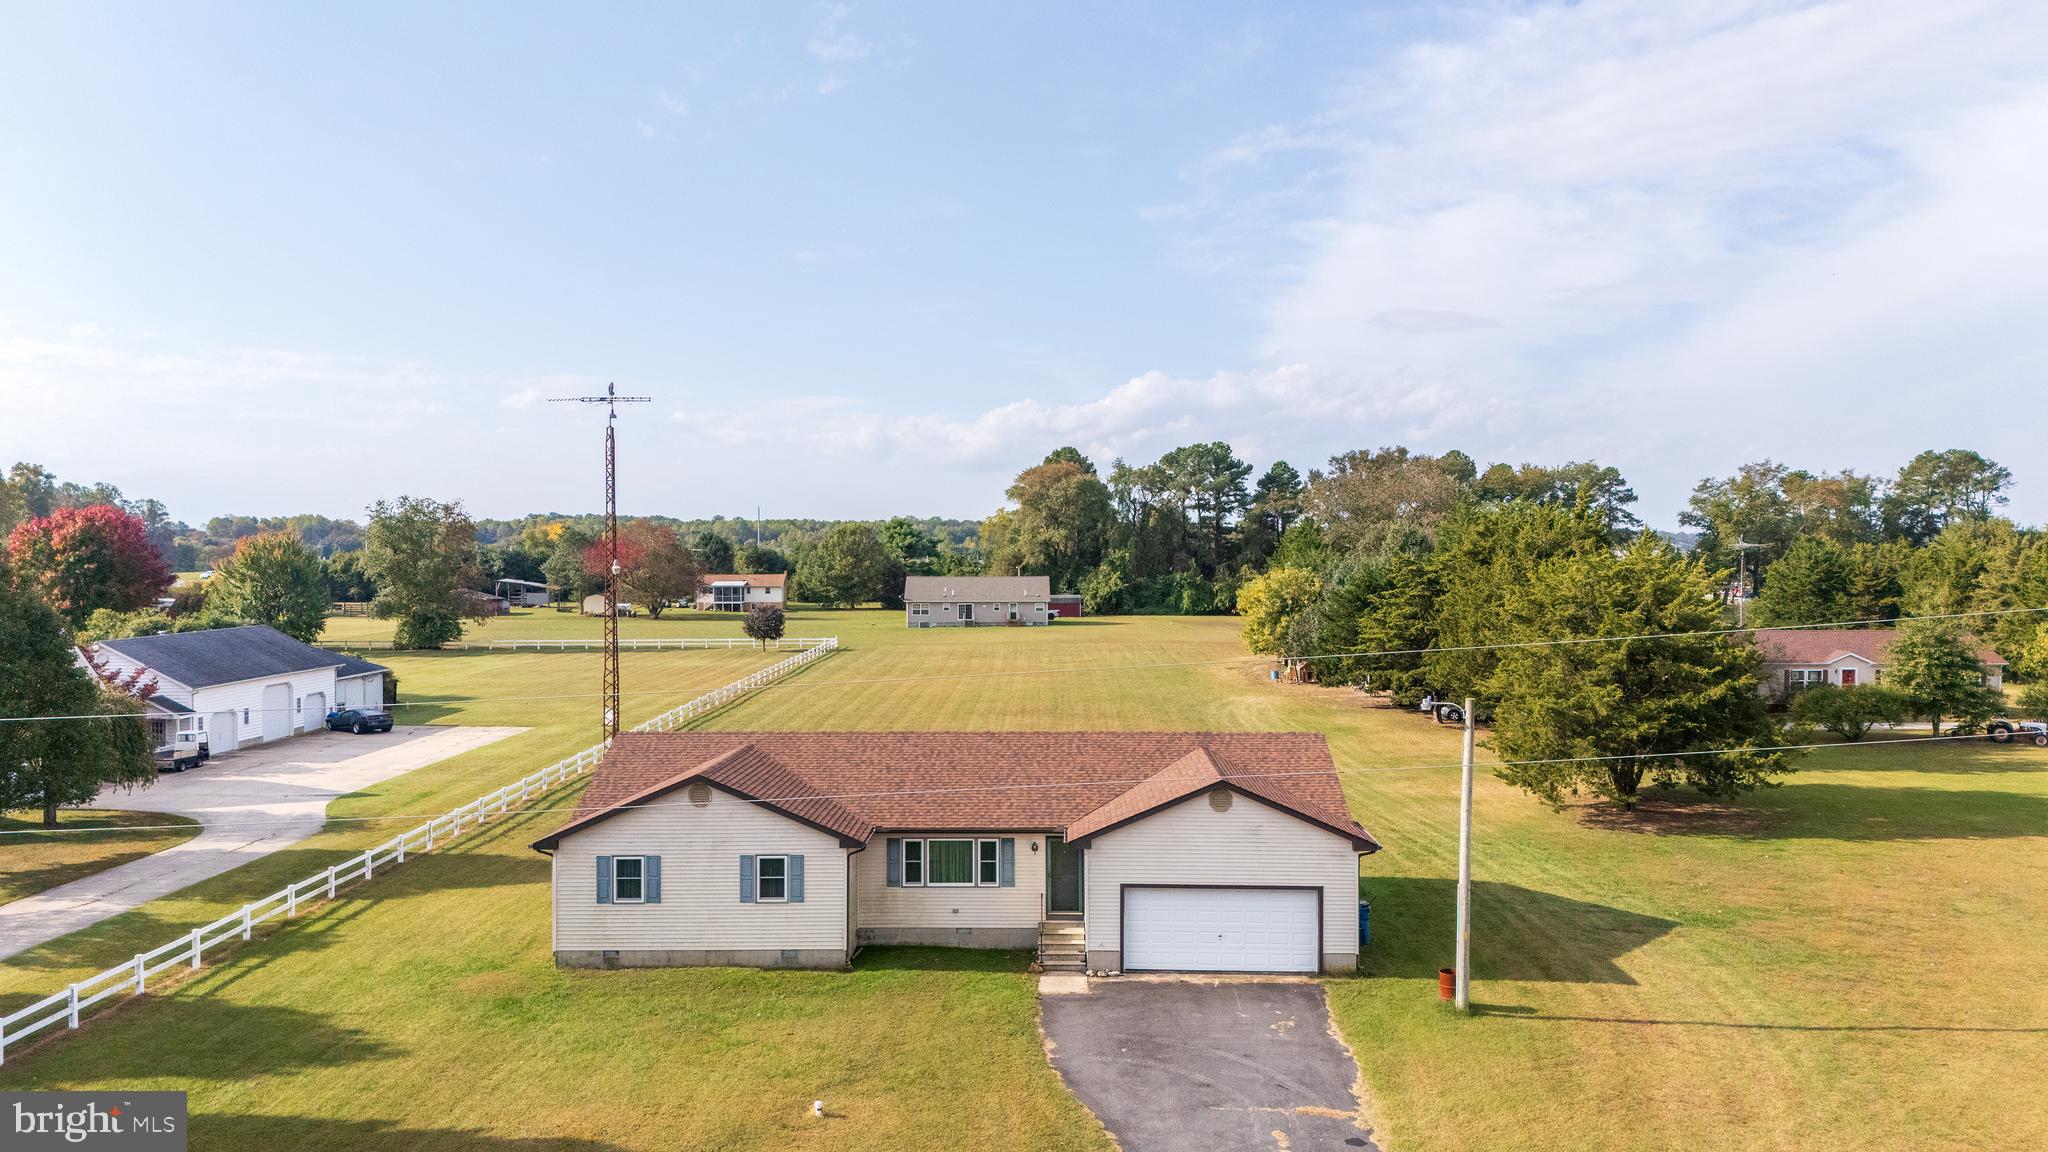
(1446, 984)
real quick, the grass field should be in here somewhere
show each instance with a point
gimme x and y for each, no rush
(1845, 962)
(36, 859)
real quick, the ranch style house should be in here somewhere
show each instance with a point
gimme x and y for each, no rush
(227, 687)
(1796, 658)
(1104, 851)
(737, 593)
(967, 601)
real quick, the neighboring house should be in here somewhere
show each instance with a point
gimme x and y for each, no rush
(236, 686)
(1123, 851)
(1066, 604)
(737, 593)
(593, 605)
(1796, 658)
(522, 594)
(957, 601)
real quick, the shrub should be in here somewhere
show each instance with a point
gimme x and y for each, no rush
(764, 622)
(1849, 712)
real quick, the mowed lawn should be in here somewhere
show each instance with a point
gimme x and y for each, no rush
(36, 858)
(1844, 962)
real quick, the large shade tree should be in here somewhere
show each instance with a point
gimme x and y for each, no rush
(272, 579)
(52, 763)
(1604, 718)
(656, 569)
(422, 555)
(84, 559)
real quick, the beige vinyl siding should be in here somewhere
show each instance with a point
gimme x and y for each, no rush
(700, 850)
(881, 906)
(1252, 844)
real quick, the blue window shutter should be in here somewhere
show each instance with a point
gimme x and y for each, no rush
(894, 878)
(746, 879)
(604, 879)
(651, 884)
(795, 883)
(1006, 862)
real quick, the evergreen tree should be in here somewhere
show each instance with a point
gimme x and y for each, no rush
(1642, 706)
(1811, 584)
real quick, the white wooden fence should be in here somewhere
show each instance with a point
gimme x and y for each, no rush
(190, 950)
(659, 644)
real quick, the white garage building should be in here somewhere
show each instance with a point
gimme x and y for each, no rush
(233, 686)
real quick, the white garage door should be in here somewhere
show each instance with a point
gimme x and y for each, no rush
(313, 717)
(277, 711)
(220, 733)
(1222, 930)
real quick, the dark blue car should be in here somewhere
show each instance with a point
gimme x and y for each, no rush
(358, 721)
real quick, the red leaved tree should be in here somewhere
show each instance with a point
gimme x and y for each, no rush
(82, 559)
(656, 568)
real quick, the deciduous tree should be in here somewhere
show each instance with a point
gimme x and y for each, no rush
(272, 579)
(1934, 663)
(845, 566)
(54, 763)
(1269, 605)
(1849, 712)
(1936, 489)
(764, 622)
(82, 559)
(1603, 718)
(422, 555)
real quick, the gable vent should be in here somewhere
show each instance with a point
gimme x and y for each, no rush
(1220, 798)
(700, 794)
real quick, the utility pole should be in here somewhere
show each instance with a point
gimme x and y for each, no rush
(1463, 964)
(1742, 581)
(611, 400)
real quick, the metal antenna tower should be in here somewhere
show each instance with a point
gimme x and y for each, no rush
(611, 400)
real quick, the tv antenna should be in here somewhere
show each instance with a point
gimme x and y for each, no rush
(611, 400)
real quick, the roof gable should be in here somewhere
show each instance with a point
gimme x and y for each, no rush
(1826, 645)
(855, 784)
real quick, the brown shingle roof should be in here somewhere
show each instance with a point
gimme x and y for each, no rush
(854, 784)
(1823, 645)
(934, 589)
(753, 579)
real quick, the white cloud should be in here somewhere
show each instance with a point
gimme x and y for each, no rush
(671, 104)
(1679, 235)
(833, 43)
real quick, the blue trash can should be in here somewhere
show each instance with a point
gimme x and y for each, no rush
(1364, 923)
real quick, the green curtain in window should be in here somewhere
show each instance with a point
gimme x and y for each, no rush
(952, 862)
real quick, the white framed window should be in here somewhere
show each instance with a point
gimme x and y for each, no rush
(920, 609)
(245, 715)
(771, 879)
(1805, 677)
(986, 871)
(949, 863)
(913, 862)
(629, 879)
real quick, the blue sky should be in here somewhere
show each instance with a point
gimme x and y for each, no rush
(874, 259)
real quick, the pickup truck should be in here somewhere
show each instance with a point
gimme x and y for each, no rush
(178, 757)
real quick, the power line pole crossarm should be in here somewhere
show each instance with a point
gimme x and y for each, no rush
(611, 400)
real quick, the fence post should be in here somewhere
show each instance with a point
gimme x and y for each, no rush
(245, 921)
(74, 1005)
(291, 901)
(195, 948)
(330, 883)
(401, 847)
(369, 862)
(141, 973)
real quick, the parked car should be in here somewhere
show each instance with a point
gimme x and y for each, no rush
(2007, 731)
(358, 721)
(179, 757)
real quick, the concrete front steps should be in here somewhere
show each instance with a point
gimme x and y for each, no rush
(1061, 946)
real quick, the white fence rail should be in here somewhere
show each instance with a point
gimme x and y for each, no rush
(658, 644)
(132, 977)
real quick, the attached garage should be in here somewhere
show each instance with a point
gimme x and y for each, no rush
(313, 716)
(1222, 929)
(221, 733)
(277, 711)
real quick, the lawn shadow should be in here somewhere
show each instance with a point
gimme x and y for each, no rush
(308, 1134)
(198, 1038)
(1517, 933)
(1804, 809)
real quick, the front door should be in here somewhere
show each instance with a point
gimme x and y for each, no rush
(1062, 876)
(1848, 677)
(967, 613)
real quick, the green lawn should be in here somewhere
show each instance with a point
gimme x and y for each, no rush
(37, 859)
(1844, 962)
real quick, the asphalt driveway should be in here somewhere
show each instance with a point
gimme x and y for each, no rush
(248, 803)
(1205, 1066)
